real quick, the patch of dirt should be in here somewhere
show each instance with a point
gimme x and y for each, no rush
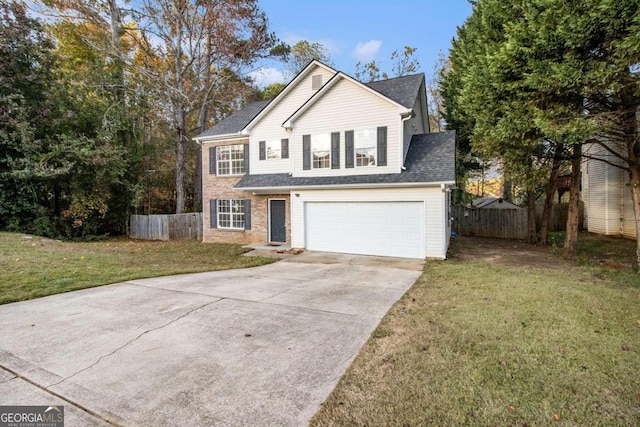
(505, 252)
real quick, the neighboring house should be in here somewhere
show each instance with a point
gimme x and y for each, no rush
(332, 164)
(608, 205)
(492, 203)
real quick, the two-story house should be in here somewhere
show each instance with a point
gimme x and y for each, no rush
(332, 164)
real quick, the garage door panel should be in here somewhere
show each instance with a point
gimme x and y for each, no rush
(371, 228)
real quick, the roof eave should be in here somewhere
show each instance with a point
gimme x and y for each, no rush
(345, 186)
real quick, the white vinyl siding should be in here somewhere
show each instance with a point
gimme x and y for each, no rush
(269, 127)
(608, 200)
(414, 126)
(346, 107)
(433, 200)
(628, 218)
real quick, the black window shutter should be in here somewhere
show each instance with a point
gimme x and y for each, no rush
(212, 160)
(382, 146)
(263, 150)
(348, 149)
(335, 150)
(213, 213)
(247, 214)
(246, 158)
(284, 147)
(306, 152)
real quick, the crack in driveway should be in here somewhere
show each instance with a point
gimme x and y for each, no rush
(182, 316)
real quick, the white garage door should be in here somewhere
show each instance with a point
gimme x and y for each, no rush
(370, 228)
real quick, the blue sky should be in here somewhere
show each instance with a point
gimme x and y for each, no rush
(361, 30)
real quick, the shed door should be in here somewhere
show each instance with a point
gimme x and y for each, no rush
(394, 229)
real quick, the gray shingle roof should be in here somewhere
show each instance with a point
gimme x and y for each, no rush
(236, 121)
(403, 90)
(431, 158)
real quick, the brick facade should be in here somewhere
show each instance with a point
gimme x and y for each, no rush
(221, 187)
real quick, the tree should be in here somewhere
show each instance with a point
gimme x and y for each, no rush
(60, 164)
(554, 74)
(271, 91)
(435, 102)
(402, 64)
(485, 99)
(303, 52)
(188, 55)
(26, 60)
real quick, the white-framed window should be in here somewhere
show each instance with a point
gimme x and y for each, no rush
(274, 149)
(365, 147)
(231, 214)
(321, 151)
(230, 159)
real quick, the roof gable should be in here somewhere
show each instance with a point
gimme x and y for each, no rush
(301, 75)
(331, 83)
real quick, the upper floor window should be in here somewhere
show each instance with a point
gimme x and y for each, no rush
(230, 159)
(365, 146)
(274, 149)
(321, 151)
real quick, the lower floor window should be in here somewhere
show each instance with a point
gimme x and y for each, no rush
(231, 213)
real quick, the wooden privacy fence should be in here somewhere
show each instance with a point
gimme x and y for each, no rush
(166, 227)
(506, 223)
(502, 223)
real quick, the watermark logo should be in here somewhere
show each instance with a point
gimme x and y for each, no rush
(31, 416)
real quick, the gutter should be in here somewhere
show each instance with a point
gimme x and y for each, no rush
(225, 137)
(440, 184)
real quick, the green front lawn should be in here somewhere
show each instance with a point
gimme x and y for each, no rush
(501, 335)
(32, 267)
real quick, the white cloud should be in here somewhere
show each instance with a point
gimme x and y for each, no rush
(264, 76)
(367, 51)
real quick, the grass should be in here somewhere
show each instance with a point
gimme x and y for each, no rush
(488, 343)
(32, 267)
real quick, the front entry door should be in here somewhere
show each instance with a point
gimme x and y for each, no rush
(277, 221)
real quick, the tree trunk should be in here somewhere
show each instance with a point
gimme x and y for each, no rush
(180, 168)
(573, 217)
(506, 190)
(179, 111)
(531, 216)
(548, 201)
(203, 117)
(197, 182)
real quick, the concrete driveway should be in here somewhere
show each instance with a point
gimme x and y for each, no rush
(258, 346)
